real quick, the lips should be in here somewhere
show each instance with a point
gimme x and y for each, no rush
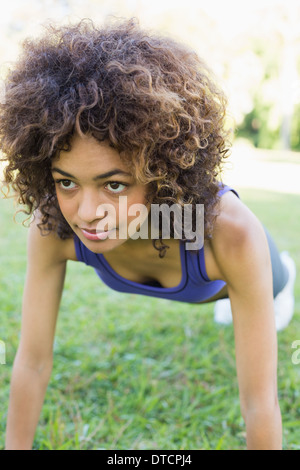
(94, 235)
(93, 230)
(89, 230)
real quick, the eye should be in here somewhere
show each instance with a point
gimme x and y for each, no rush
(65, 184)
(113, 184)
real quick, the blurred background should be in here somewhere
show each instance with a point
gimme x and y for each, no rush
(252, 47)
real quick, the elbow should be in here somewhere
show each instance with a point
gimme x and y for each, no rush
(40, 364)
(263, 408)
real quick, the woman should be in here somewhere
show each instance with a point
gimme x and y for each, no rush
(95, 114)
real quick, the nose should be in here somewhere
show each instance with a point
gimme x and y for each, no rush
(87, 207)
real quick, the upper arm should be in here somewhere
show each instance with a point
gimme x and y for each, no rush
(46, 267)
(242, 253)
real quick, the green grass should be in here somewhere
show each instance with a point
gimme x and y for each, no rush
(133, 372)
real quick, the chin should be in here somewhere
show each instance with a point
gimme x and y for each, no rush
(102, 246)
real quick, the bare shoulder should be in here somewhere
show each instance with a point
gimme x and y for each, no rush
(50, 248)
(237, 234)
(235, 222)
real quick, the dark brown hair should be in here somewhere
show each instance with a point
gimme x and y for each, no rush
(153, 99)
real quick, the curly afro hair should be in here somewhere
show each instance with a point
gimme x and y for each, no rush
(153, 99)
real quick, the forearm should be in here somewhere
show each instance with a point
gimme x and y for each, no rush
(28, 388)
(264, 430)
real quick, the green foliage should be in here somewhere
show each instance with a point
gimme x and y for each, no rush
(295, 134)
(255, 127)
(263, 124)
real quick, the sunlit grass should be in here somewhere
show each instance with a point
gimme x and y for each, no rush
(133, 372)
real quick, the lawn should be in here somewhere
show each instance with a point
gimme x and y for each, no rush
(133, 372)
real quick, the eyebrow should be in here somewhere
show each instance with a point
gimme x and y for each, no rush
(116, 171)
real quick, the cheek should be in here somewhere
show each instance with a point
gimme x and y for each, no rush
(66, 207)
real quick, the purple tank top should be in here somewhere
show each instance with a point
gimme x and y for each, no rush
(194, 287)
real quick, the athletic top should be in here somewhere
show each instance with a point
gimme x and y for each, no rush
(194, 287)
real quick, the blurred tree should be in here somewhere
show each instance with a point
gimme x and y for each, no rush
(295, 129)
(276, 42)
(289, 30)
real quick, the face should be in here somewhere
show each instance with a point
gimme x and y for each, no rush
(89, 181)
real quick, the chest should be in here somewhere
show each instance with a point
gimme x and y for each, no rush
(145, 267)
(148, 268)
